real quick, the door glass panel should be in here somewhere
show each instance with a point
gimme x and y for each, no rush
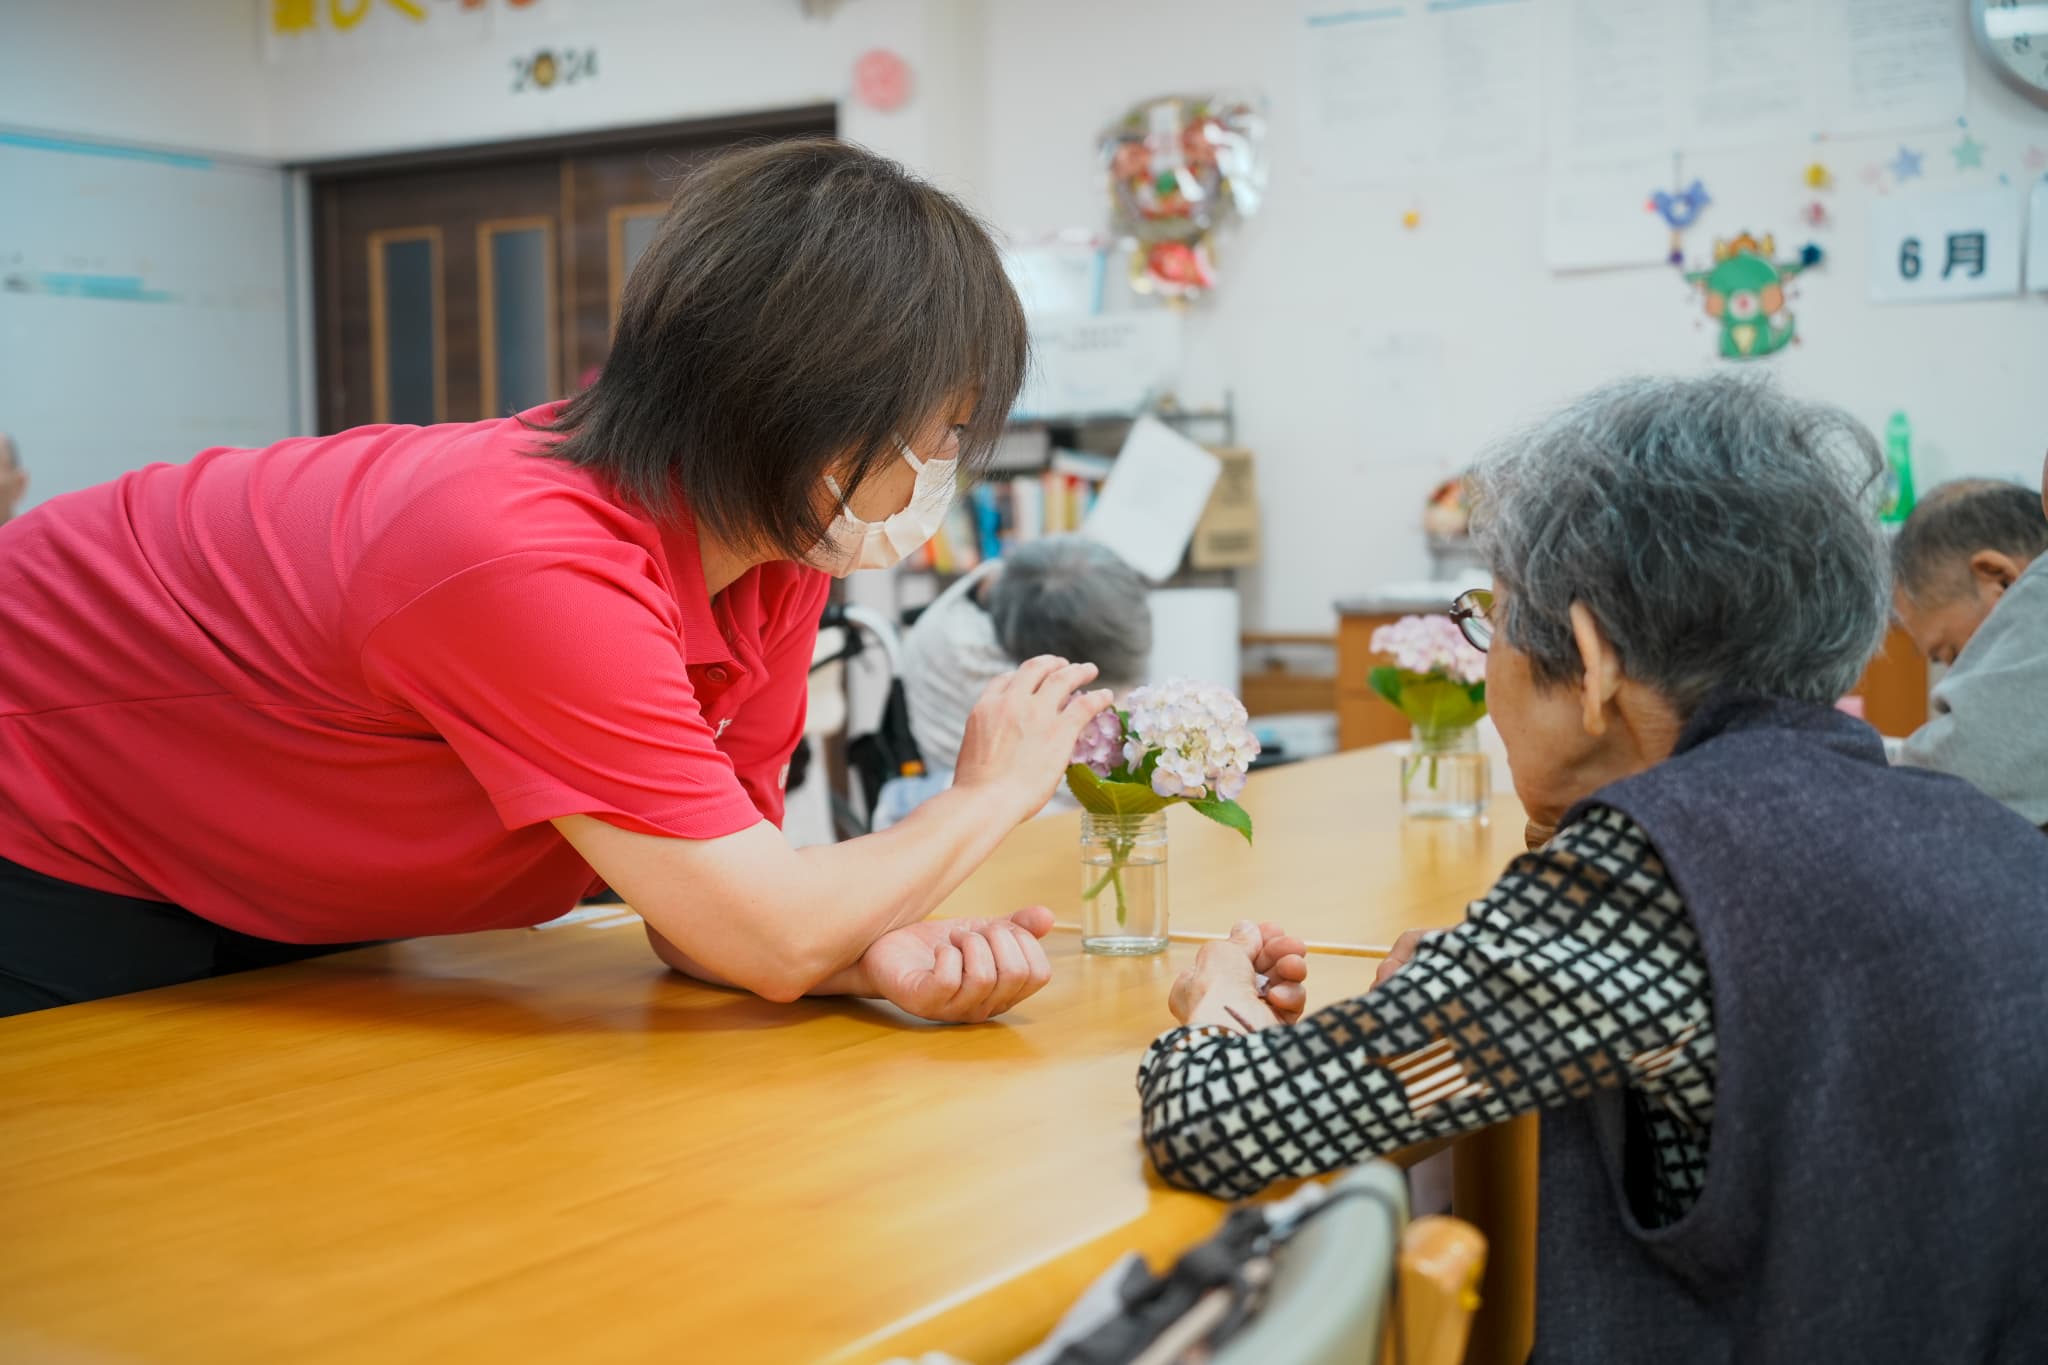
(639, 231)
(519, 350)
(407, 359)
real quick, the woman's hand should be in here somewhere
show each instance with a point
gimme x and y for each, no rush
(1223, 985)
(1021, 734)
(961, 971)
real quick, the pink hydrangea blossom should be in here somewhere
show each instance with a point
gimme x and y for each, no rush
(1431, 644)
(1101, 744)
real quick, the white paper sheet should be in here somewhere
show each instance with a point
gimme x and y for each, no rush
(1153, 498)
(1395, 90)
(1361, 91)
(1897, 64)
(1747, 70)
(1482, 62)
(1613, 85)
(1940, 247)
(1626, 78)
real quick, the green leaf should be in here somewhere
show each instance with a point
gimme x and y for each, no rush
(1387, 682)
(1098, 797)
(1441, 704)
(1228, 814)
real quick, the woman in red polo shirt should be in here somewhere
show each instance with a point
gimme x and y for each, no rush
(423, 680)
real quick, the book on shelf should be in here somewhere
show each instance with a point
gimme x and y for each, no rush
(1003, 512)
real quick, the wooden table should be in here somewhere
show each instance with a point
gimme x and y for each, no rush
(1332, 861)
(541, 1145)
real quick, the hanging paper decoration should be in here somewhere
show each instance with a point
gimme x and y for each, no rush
(1679, 212)
(1180, 167)
(1745, 293)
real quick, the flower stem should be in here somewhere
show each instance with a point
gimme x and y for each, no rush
(1119, 855)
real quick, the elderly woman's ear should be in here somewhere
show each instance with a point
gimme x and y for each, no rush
(1602, 678)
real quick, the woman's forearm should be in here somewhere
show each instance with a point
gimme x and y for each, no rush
(852, 980)
(784, 922)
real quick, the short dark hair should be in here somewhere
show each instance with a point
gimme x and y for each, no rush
(1931, 556)
(802, 303)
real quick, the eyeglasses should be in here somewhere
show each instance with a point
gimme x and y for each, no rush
(1473, 611)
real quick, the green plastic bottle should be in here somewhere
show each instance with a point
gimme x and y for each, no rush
(1898, 456)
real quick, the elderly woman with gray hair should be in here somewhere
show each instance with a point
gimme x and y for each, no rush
(1780, 1005)
(1062, 594)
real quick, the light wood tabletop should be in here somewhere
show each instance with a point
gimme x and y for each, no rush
(540, 1145)
(1332, 861)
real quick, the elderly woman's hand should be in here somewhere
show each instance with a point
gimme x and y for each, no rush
(1401, 954)
(1223, 985)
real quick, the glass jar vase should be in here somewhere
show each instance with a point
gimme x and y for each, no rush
(1123, 884)
(1444, 775)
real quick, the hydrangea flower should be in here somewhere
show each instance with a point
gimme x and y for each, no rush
(1100, 747)
(1178, 742)
(1201, 733)
(1431, 644)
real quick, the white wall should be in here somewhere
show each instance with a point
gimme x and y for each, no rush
(147, 313)
(180, 74)
(1367, 360)
(1325, 293)
(658, 61)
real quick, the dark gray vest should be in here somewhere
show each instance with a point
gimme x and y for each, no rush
(1877, 1178)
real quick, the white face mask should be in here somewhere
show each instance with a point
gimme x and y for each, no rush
(851, 543)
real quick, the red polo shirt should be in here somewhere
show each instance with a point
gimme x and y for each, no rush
(334, 689)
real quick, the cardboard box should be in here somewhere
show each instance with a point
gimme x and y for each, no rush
(1227, 536)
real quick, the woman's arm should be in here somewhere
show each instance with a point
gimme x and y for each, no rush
(779, 921)
(1578, 971)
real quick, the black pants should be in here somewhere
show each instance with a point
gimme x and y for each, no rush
(61, 943)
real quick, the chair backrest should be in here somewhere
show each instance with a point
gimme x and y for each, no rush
(1327, 1304)
(1441, 1262)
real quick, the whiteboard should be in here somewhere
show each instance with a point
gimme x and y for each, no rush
(145, 307)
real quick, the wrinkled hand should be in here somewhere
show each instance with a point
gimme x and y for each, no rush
(1400, 955)
(1225, 979)
(1021, 734)
(961, 971)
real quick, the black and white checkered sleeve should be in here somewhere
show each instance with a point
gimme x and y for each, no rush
(1578, 970)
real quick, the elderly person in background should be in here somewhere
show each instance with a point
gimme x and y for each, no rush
(1970, 585)
(13, 478)
(1778, 1003)
(1063, 591)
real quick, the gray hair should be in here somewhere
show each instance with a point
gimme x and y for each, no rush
(1077, 599)
(1931, 556)
(1722, 535)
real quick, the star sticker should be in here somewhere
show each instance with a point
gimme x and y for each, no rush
(1906, 164)
(1969, 153)
(2037, 158)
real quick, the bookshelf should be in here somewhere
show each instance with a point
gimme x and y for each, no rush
(1044, 480)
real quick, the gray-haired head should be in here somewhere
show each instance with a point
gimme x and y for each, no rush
(1720, 532)
(1077, 599)
(1931, 555)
